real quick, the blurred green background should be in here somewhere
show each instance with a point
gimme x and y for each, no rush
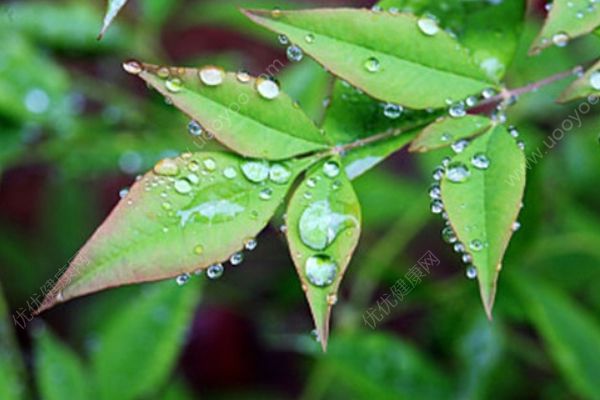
(75, 129)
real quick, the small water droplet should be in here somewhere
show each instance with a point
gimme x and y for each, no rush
(595, 80)
(229, 173)
(466, 258)
(437, 207)
(210, 164)
(438, 174)
(267, 88)
(471, 272)
(476, 245)
(182, 186)
(211, 75)
(123, 192)
(435, 193)
(392, 111)
(480, 161)
(459, 247)
(460, 145)
(331, 169)
(215, 271)
(279, 173)
(320, 270)
(332, 299)
(516, 226)
(471, 101)
(560, 39)
(132, 67)
(182, 279)
(309, 38)
(521, 144)
(174, 85)
(283, 40)
(448, 235)
(194, 128)
(236, 258)
(250, 244)
(265, 194)
(372, 64)
(166, 167)
(294, 53)
(457, 172)
(256, 171)
(428, 25)
(457, 110)
(488, 93)
(163, 72)
(243, 76)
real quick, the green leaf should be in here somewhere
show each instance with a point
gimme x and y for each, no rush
(567, 20)
(236, 113)
(384, 54)
(60, 374)
(12, 372)
(483, 203)
(185, 215)
(112, 9)
(365, 155)
(383, 366)
(447, 130)
(587, 85)
(570, 333)
(139, 346)
(323, 226)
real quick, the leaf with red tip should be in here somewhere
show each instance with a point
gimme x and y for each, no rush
(323, 228)
(185, 215)
(232, 108)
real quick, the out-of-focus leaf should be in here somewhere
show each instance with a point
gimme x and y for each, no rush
(12, 373)
(570, 333)
(177, 391)
(363, 47)
(482, 191)
(447, 130)
(567, 19)
(187, 214)
(60, 373)
(112, 9)
(307, 83)
(323, 220)
(235, 112)
(384, 367)
(365, 155)
(156, 12)
(489, 29)
(588, 84)
(139, 346)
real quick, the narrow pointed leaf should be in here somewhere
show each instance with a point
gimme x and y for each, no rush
(384, 54)
(447, 130)
(112, 9)
(570, 333)
(60, 374)
(567, 20)
(149, 332)
(186, 214)
(483, 204)
(587, 85)
(236, 114)
(323, 227)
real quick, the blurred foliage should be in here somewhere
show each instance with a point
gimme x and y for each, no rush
(75, 129)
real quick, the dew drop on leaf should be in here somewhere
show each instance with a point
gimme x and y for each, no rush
(133, 67)
(229, 173)
(243, 76)
(182, 186)
(319, 224)
(392, 111)
(595, 80)
(194, 128)
(448, 235)
(279, 173)
(294, 53)
(331, 169)
(265, 194)
(250, 244)
(215, 271)
(372, 64)
(309, 38)
(256, 171)
(460, 145)
(320, 270)
(210, 164)
(457, 172)
(283, 40)
(166, 167)
(428, 25)
(476, 245)
(182, 279)
(560, 39)
(236, 258)
(267, 88)
(174, 85)
(471, 272)
(437, 207)
(211, 75)
(480, 161)
(199, 249)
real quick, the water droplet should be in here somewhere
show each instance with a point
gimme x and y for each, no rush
(460, 145)
(243, 76)
(182, 279)
(267, 88)
(256, 171)
(279, 173)
(319, 224)
(265, 194)
(560, 39)
(132, 67)
(163, 72)
(488, 93)
(471, 101)
(459, 247)
(428, 25)
(194, 128)
(320, 270)
(595, 80)
(372, 64)
(182, 186)
(236, 258)
(466, 258)
(211, 75)
(332, 299)
(437, 207)
(283, 40)
(309, 38)
(521, 144)
(448, 235)
(174, 85)
(123, 192)
(435, 192)
(199, 249)
(311, 182)
(476, 245)
(166, 167)
(250, 244)
(210, 164)
(471, 272)
(513, 131)
(516, 226)
(457, 110)
(37, 101)
(438, 174)
(480, 161)
(457, 172)
(331, 169)
(392, 111)
(229, 173)
(215, 271)
(294, 53)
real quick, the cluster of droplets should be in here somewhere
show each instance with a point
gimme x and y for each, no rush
(293, 52)
(580, 11)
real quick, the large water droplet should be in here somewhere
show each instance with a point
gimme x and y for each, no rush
(428, 25)
(215, 271)
(211, 75)
(331, 169)
(256, 171)
(320, 270)
(372, 64)
(480, 161)
(166, 167)
(457, 172)
(319, 225)
(267, 88)
(279, 173)
(182, 186)
(133, 67)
